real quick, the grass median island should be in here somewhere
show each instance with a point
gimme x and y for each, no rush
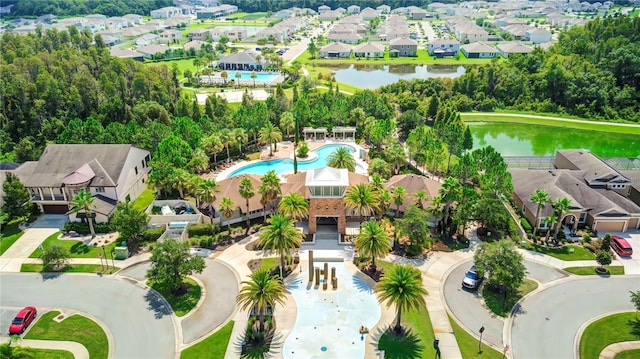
(9, 235)
(468, 344)
(186, 300)
(52, 354)
(605, 331)
(494, 300)
(565, 253)
(72, 268)
(417, 341)
(591, 270)
(213, 347)
(548, 120)
(76, 248)
(629, 354)
(75, 328)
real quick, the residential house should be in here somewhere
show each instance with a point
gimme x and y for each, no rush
(285, 14)
(149, 51)
(235, 34)
(330, 15)
(479, 50)
(384, 9)
(241, 61)
(413, 183)
(403, 47)
(133, 19)
(111, 173)
(347, 38)
(369, 50)
(395, 32)
(96, 17)
(193, 44)
(341, 11)
(538, 36)
(444, 47)
(513, 48)
(165, 12)
(353, 9)
(323, 8)
(170, 36)
(94, 26)
(335, 50)
(147, 39)
(369, 14)
(199, 34)
(216, 11)
(116, 22)
(599, 194)
(416, 13)
(279, 33)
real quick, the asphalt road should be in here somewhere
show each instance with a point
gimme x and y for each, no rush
(555, 314)
(467, 308)
(140, 322)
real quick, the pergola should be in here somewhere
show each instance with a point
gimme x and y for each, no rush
(309, 131)
(344, 133)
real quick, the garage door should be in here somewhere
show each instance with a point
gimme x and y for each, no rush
(55, 208)
(603, 227)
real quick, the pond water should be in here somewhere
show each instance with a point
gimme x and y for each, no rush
(517, 139)
(370, 76)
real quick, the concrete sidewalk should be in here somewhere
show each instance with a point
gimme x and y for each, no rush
(12, 259)
(610, 351)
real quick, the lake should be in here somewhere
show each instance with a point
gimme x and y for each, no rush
(371, 76)
(516, 139)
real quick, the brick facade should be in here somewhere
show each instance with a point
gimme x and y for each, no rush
(327, 207)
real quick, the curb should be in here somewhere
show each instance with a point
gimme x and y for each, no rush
(576, 340)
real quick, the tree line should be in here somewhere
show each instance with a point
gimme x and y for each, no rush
(82, 7)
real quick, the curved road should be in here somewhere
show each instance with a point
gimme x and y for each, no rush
(556, 313)
(143, 321)
(466, 306)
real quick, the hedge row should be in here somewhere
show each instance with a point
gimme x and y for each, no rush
(83, 228)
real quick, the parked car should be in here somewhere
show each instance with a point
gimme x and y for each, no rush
(472, 279)
(621, 246)
(22, 320)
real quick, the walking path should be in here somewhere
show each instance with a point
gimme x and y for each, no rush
(610, 351)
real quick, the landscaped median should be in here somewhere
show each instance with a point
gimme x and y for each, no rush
(605, 331)
(75, 328)
(213, 347)
(185, 300)
(76, 248)
(72, 268)
(565, 253)
(501, 305)
(591, 270)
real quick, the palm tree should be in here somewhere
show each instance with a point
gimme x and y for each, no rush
(280, 236)
(341, 158)
(372, 241)
(420, 196)
(396, 156)
(269, 134)
(192, 187)
(246, 191)
(287, 122)
(450, 192)
(260, 292)
(238, 77)
(213, 144)
(273, 186)
(384, 202)
(561, 207)
(207, 193)
(224, 76)
(399, 194)
(254, 75)
(362, 199)
(227, 207)
(539, 197)
(402, 287)
(294, 205)
(83, 201)
(240, 137)
(227, 138)
(550, 222)
(179, 180)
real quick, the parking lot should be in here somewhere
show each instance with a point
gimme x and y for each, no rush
(6, 316)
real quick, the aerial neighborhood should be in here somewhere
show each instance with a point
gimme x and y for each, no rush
(339, 179)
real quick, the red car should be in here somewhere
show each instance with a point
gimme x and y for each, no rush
(22, 320)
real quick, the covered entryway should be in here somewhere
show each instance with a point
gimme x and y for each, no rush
(55, 208)
(326, 229)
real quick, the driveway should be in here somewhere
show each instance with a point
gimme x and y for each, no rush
(466, 306)
(221, 288)
(631, 264)
(555, 314)
(139, 322)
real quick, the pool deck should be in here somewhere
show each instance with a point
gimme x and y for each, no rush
(284, 150)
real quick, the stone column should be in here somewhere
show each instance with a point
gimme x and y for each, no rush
(310, 266)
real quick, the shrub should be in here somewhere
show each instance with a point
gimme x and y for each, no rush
(303, 149)
(204, 229)
(55, 257)
(413, 250)
(152, 234)
(514, 230)
(605, 244)
(586, 239)
(83, 228)
(526, 225)
(603, 258)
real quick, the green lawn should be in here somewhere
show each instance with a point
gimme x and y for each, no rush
(629, 354)
(213, 347)
(52, 354)
(183, 64)
(545, 121)
(9, 236)
(75, 328)
(469, 344)
(564, 253)
(77, 249)
(268, 263)
(591, 270)
(494, 300)
(182, 304)
(605, 331)
(419, 341)
(73, 268)
(144, 199)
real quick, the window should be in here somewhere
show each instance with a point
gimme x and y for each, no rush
(583, 217)
(618, 186)
(99, 189)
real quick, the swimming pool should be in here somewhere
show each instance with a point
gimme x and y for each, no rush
(286, 165)
(261, 77)
(328, 322)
